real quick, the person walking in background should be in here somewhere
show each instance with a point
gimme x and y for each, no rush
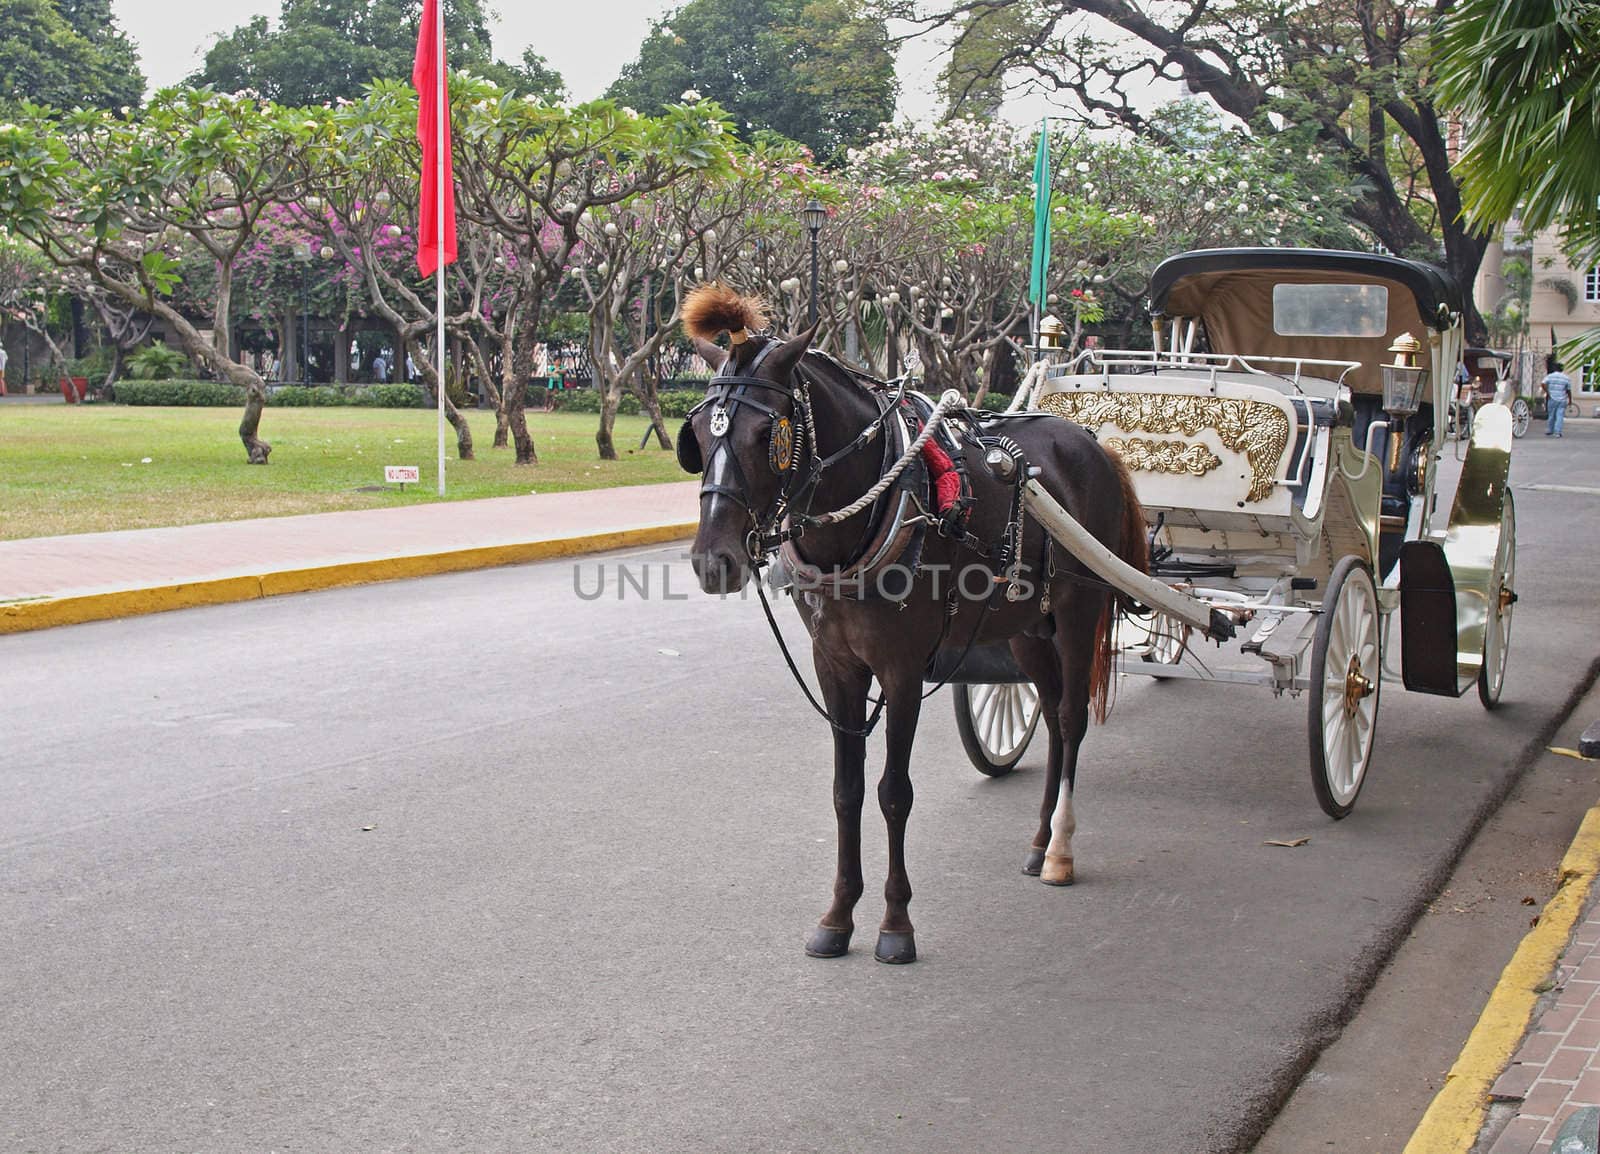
(1557, 388)
(3, 359)
(380, 368)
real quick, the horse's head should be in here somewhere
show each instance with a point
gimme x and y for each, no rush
(745, 438)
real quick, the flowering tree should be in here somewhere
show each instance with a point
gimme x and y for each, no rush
(640, 258)
(111, 197)
(532, 173)
(365, 213)
(26, 283)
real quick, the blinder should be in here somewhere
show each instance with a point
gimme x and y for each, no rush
(689, 456)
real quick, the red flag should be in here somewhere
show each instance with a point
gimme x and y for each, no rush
(427, 77)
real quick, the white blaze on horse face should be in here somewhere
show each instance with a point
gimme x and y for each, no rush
(719, 472)
(1057, 868)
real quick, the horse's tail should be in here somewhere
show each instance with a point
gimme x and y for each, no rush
(1134, 548)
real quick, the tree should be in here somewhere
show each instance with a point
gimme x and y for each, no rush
(1349, 80)
(532, 173)
(820, 72)
(66, 54)
(111, 198)
(1526, 78)
(367, 215)
(641, 257)
(322, 51)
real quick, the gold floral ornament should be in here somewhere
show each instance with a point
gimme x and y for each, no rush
(1254, 428)
(1190, 457)
(782, 447)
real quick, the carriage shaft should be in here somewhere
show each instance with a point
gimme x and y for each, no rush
(1083, 545)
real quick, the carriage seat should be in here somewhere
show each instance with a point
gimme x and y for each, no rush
(1211, 451)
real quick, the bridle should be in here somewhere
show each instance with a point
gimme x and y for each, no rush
(787, 440)
(792, 448)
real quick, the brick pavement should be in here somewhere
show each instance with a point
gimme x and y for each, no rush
(91, 563)
(1557, 1069)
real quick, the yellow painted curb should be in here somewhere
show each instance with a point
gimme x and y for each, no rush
(23, 616)
(1454, 1119)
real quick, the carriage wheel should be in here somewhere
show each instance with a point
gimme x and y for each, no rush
(1502, 596)
(1169, 637)
(996, 723)
(1521, 417)
(1346, 671)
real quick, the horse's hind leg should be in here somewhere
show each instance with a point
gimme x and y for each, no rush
(897, 941)
(1039, 661)
(844, 690)
(1075, 644)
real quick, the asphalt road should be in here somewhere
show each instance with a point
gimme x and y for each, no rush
(473, 863)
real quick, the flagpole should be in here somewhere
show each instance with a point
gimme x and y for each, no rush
(439, 128)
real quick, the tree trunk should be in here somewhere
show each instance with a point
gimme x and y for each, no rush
(514, 399)
(341, 357)
(255, 399)
(650, 401)
(432, 386)
(221, 338)
(609, 398)
(115, 374)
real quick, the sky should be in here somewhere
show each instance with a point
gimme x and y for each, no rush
(587, 43)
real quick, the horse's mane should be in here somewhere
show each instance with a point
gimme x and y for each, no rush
(713, 309)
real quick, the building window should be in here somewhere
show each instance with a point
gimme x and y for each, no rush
(1591, 285)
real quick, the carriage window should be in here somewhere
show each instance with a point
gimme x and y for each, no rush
(1330, 310)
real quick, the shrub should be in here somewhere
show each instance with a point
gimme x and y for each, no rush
(95, 367)
(156, 363)
(677, 402)
(195, 393)
(398, 396)
(301, 396)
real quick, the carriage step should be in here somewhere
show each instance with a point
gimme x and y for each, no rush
(1282, 637)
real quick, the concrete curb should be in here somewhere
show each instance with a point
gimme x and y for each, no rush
(1455, 1118)
(46, 613)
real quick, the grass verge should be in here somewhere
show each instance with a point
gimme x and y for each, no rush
(84, 469)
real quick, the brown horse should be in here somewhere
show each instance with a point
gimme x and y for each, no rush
(786, 435)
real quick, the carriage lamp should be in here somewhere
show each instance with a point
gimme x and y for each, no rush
(1402, 391)
(1050, 330)
(1402, 379)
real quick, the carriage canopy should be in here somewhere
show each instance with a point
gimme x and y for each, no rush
(1314, 303)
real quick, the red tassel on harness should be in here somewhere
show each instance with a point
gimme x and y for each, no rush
(946, 481)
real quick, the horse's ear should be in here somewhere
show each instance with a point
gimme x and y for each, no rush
(713, 355)
(786, 356)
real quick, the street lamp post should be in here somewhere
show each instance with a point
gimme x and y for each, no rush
(302, 253)
(813, 214)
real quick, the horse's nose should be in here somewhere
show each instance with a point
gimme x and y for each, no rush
(719, 571)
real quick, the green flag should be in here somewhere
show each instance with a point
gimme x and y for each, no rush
(1041, 219)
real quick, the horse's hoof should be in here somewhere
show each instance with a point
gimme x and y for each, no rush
(825, 942)
(1033, 863)
(896, 949)
(1057, 871)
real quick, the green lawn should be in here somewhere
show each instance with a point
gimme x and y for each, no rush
(83, 469)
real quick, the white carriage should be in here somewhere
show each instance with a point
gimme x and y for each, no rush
(1283, 438)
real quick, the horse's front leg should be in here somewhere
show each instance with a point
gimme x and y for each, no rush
(844, 690)
(897, 941)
